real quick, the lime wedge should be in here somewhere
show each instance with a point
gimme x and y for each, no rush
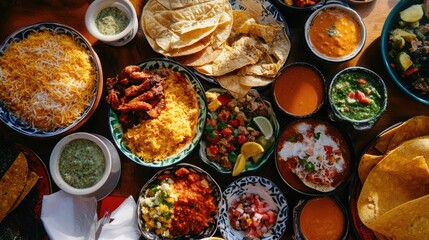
(264, 126)
(239, 165)
(250, 149)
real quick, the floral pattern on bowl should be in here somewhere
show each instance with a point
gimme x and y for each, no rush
(264, 188)
(22, 127)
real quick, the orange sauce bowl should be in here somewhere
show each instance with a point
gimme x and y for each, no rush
(335, 33)
(299, 90)
(320, 218)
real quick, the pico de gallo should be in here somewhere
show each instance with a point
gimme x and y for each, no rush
(252, 214)
(229, 125)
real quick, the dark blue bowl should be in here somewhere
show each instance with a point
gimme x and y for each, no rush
(390, 22)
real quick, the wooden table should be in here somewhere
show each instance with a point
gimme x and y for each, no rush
(18, 13)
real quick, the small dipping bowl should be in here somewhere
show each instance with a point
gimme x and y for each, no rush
(357, 96)
(320, 218)
(81, 141)
(111, 10)
(335, 33)
(299, 90)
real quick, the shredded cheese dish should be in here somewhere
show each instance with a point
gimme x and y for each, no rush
(47, 80)
(166, 135)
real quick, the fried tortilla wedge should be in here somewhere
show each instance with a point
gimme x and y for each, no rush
(12, 184)
(414, 127)
(383, 141)
(408, 221)
(242, 52)
(402, 176)
(31, 181)
(232, 84)
(366, 164)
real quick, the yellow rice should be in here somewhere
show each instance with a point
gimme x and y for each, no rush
(166, 135)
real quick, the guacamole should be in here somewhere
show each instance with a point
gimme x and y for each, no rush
(357, 95)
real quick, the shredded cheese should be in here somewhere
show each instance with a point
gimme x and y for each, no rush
(47, 80)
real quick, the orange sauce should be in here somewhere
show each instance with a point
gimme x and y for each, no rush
(299, 90)
(334, 33)
(322, 219)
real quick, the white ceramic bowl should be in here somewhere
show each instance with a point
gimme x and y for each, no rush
(348, 11)
(121, 38)
(54, 164)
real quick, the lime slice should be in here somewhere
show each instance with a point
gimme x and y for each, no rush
(264, 126)
(250, 149)
(412, 14)
(239, 165)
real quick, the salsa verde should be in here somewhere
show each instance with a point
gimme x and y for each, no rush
(81, 163)
(356, 95)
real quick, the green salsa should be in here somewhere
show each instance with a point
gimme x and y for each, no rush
(357, 95)
(81, 163)
(111, 21)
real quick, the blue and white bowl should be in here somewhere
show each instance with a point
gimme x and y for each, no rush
(12, 121)
(265, 189)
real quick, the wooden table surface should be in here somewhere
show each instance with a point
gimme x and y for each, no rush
(19, 13)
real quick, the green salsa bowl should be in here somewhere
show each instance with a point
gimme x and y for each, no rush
(358, 96)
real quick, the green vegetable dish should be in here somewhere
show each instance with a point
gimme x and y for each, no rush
(357, 95)
(81, 163)
(409, 47)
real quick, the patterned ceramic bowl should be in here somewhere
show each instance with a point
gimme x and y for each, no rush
(8, 116)
(117, 130)
(268, 191)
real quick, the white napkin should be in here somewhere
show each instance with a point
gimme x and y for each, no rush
(67, 217)
(123, 223)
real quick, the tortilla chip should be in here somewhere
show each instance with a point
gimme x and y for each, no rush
(413, 127)
(408, 221)
(400, 177)
(366, 164)
(240, 17)
(383, 141)
(232, 84)
(12, 184)
(242, 52)
(205, 56)
(31, 181)
(280, 48)
(261, 69)
(253, 81)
